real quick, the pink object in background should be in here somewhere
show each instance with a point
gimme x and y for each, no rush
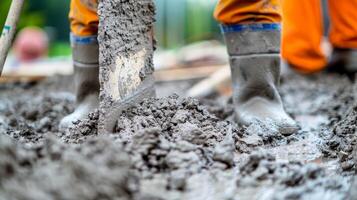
(31, 43)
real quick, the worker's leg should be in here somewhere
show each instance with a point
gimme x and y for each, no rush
(302, 35)
(343, 32)
(343, 35)
(247, 11)
(252, 34)
(84, 28)
(84, 18)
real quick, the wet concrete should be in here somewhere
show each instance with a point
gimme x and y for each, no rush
(178, 148)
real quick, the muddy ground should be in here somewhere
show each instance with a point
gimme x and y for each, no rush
(178, 148)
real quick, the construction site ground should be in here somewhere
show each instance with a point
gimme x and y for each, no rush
(176, 147)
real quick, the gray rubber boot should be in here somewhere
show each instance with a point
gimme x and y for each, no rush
(86, 75)
(343, 61)
(255, 67)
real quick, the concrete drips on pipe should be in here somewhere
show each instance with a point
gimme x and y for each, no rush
(126, 55)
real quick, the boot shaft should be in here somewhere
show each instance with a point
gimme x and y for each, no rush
(255, 75)
(85, 53)
(254, 60)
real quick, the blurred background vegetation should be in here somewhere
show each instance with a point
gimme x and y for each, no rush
(51, 15)
(179, 22)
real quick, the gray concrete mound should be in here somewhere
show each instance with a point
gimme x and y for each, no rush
(178, 148)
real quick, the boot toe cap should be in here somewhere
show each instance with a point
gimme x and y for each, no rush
(287, 127)
(277, 116)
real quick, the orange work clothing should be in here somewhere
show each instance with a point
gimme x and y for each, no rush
(230, 12)
(83, 17)
(302, 31)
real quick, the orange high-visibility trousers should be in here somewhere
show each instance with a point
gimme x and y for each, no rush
(230, 12)
(84, 18)
(302, 31)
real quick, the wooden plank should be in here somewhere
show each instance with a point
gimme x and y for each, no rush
(185, 73)
(23, 79)
(36, 71)
(211, 83)
(40, 68)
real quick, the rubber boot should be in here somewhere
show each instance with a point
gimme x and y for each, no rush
(255, 67)
(343, 61)
(86, 75)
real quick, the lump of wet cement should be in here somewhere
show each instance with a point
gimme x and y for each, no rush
(342, 140)
(29, 115)
(289, 180)
(175, 134)
(98, 169)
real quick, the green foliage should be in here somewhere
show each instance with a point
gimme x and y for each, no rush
(200, 24)
(52, 15)
(27, 18)
(31, 19)
(4, 7)
(60, 49)
(42, 13)
(179, 22)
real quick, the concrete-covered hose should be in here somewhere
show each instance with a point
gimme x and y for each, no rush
(126, 47)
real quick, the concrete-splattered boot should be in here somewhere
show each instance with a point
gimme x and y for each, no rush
(85, 61)
(343, 61)
(255, 66)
